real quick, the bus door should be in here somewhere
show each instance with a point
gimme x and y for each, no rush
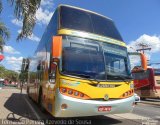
(56, 52)
(44, 84)
(51, 87)
(38, 80)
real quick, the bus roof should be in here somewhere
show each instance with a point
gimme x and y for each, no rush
(57, 23)
(87, 21)
(69, 6)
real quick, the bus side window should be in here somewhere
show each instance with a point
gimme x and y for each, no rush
(52, 74)
(39, 72)
(39, 67)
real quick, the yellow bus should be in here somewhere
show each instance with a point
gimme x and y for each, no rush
(81, 66)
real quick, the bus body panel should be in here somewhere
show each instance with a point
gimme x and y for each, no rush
(148, 86)
(78, 107)
(93, 89)
(41, 89)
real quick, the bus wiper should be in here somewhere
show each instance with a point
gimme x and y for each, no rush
(128, 77)
(84, 75)
(124, 78)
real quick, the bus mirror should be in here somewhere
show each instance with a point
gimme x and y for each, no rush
(56, 47)
(144, 61)
(25, 65)
(52, 77)
(138, 62)
(52, 74)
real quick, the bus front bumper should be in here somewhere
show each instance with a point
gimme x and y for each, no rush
(78, 107)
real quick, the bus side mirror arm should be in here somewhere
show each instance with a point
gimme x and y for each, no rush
(52, 74)
(56, 52)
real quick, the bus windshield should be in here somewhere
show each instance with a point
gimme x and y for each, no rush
(116, 61)
(92, 59)
(72, 18)
(157, 72)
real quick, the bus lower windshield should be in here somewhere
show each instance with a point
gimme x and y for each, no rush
(92, 59)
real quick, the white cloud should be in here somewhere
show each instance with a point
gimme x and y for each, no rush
(17, 22)
(152, 42)
(14, 62)
(47, 3)
(10, 50)
(43, 16)
(33, 37)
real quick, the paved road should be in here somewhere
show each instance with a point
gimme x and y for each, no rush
(13, 107)
(151, 101)
(151, 111)
(18, 108)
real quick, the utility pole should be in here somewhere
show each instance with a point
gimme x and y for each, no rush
(154, 64)
(143, 47)
(24, 71)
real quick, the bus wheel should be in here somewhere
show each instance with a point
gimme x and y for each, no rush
(40, 100)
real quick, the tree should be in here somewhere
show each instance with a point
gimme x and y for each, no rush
(8, 74)
(4, 32)
(25, 10)
(4, 35)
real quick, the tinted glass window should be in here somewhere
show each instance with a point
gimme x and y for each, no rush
(141, 75)
(85, 21)
(94, 60)
(157, 72)
(73, 19)
(105, 27)
(82, 57)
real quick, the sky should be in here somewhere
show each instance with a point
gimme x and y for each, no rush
(138, 21)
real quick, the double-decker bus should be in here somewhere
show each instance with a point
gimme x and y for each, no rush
(147, 83)
(81, 66)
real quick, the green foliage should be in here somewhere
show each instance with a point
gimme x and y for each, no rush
(23, 76)
(4, 35)
(4, 32)
(26, 10)
(8, 74)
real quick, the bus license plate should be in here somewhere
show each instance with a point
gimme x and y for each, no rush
(104, 108)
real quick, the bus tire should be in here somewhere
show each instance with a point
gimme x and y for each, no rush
(40, 100)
